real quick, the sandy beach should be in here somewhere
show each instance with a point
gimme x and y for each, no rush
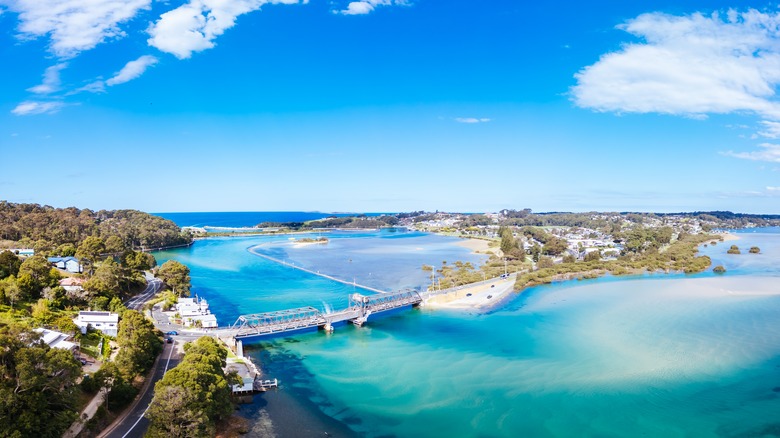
(476, 296)
(480, 246)
(729, 236)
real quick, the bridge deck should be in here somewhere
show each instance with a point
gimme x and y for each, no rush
(269, 323)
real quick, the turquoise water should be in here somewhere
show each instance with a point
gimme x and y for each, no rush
(649, 356)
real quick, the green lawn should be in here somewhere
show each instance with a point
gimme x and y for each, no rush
(90, 344)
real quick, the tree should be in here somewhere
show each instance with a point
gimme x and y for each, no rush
(733, 250)
(65, 250)
(107, 279)
(555, 246)
(11, 291)
(139, 344)
(592, 256)
(41, 311)
(39, 269)
(754, 250)
(9, 264)
(176, 276)
(508, 242)
(171, 414)
(89, 251)
(37, 385)
(138, 260)
(115, 245)
(545, 262)
(196, 386)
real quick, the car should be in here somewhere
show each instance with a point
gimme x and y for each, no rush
(492, 285)
(172, 333)
(169, 340)
(490, 296)
(468, 294)
(83, 361)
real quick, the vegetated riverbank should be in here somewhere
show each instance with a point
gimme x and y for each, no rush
(679, 256)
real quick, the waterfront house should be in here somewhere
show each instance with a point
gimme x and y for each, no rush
(191, 310)
(106, 322)
(70, 264)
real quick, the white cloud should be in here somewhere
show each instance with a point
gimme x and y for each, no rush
(51, 80)
(773, 189)
(471, 120)
(73, 25)
(132, 70)
(366, 6)
(770, 130)
(689, 65)
(769, 152)
(192, 27)
(31, 107)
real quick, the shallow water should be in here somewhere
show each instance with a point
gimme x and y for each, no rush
(649, 356)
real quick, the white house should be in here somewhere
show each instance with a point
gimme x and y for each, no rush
(106, 322)
(193, 309)
(56, 339)
(70, 264)
(72, 284)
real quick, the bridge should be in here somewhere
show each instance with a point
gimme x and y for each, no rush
(357, 312)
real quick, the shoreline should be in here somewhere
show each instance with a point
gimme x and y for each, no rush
(475, 296)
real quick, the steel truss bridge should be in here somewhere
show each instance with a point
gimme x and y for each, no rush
(282, 321)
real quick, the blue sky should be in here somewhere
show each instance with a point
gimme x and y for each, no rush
(390, 105)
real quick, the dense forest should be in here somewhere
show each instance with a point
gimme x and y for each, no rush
(352, 222)
(46, 228)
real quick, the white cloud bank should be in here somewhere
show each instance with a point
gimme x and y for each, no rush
(132, 70)
(31, 107)
(51, 80)
(471, 120)
(768, 152)
(194, 26)
(367, 6)
(73, 25)
(689, 65)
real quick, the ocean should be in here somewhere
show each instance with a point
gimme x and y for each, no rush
(653, 355)
(243, 219)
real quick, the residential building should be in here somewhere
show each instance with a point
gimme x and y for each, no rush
(56, 339)
(106, 322)
(70, 264)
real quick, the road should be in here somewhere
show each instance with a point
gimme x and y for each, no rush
(133, 424)
(153, 286)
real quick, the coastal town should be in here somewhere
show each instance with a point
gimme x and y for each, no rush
(66, 298)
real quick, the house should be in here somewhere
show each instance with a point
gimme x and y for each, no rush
(106, 322)
(72, 284)
(21, 252)
(70, 264)
(194, 309)
(56, 339)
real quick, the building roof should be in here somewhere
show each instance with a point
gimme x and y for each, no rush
(62, 259)
(71, 281)
(55, 339)
(96, 316)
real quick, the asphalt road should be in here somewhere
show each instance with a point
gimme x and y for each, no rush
(134, 424)
(153, 286)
